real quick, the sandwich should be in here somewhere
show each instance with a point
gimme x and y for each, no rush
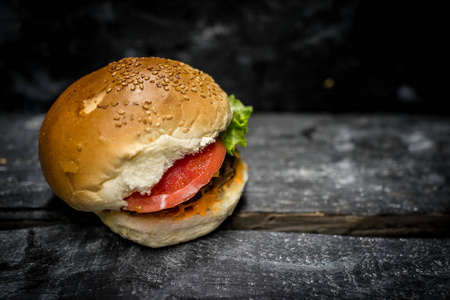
(150, 146)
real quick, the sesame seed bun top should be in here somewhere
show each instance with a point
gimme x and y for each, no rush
(118, 129)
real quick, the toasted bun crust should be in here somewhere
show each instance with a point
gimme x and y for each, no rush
(154, 230)
(118, 129)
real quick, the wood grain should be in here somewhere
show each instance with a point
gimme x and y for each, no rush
(348, 164)
(310, 173)
(80, 261)
(412, 225)
(325, 214)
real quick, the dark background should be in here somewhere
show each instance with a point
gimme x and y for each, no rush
(308, 56)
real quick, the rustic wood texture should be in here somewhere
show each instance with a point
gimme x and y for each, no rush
(348, 164)
(411, 225)
(79, 261)
(334, 167)
(326, 212)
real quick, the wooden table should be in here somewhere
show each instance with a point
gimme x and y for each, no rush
(337, 206)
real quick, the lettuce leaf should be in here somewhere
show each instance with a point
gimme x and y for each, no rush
(235, 133)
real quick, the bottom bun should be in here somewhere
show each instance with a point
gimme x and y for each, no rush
(171, 227)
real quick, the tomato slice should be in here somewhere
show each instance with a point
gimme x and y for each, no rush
(181, 181)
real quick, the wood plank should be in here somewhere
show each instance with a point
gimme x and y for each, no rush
(348, 164)
(370, 164)
(81, 261)
(322, 173)
(346, 175)
(22, 184)
(407, 225)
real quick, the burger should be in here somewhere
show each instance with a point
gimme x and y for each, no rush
(149, 145)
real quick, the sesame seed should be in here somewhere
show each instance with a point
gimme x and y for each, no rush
(120, 112)
(148, 130)
(169, 117)
(117, 118)
(185, 130)
(118, 124)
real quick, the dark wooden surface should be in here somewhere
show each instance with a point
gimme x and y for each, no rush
(346, 206)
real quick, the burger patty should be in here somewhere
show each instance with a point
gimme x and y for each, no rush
(226, 172)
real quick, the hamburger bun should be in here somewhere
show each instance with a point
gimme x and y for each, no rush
(172, 227)
(117, 130)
